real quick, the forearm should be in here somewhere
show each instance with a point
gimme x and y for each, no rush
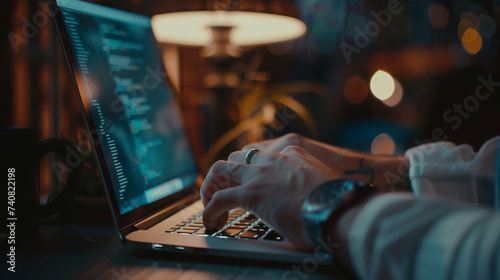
(387, 172)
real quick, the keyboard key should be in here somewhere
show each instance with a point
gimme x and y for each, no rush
(252, 234)
(238, 226)
(205, 231)
(190, 227)
(230, 232)
(172, 229)
(188, 231)
(239, 223)
(274, 236)
(261, 227)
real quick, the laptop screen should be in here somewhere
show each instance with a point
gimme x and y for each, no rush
(137, 121)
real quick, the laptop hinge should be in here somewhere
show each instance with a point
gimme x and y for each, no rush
(166, 212)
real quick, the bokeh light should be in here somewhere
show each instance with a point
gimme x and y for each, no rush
(355, 89)
(382, 85)
(396, 96)
(487, 26)
(472, 41)
(438, 15)
(478, 9)
(470, 17)
(463, 26)
(383, 144)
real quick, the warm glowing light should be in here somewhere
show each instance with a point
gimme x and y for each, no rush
(383, 144)
(396, 96)
(438, 15)
(355, 89)
(268, 112)
(470, 17)
(472, 41)
(463, 26)
(382, 85)
(191, 28)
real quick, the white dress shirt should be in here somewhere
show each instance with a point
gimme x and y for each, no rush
(448, 229)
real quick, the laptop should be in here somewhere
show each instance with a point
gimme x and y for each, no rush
(149, 173)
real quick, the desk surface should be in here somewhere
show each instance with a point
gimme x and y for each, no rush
(94, 252)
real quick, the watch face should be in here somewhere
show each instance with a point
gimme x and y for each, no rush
(329, 195)
(323, 201)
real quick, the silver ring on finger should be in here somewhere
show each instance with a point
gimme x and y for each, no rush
(249, 155)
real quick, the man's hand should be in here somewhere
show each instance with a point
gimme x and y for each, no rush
(273, 186)
(279, 177)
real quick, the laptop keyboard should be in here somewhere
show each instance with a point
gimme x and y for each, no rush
(240, 224)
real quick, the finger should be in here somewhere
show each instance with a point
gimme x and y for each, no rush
(223, 175)
(238, 156)
(290, 150)
(222, 220)
(216, 210)
(258, 158)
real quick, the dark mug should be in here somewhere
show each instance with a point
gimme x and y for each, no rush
(20, 155)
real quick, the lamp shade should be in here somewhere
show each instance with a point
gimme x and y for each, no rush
(249, 28)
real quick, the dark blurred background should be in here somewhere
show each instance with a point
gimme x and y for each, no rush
(442, 55)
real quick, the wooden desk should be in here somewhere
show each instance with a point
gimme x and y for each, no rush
(94, 252)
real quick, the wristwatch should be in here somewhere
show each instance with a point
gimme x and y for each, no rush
(326, 203)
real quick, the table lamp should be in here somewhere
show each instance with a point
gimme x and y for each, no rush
(222, 34)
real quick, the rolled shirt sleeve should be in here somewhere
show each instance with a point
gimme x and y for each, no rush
(448, 230)
(455, 172)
